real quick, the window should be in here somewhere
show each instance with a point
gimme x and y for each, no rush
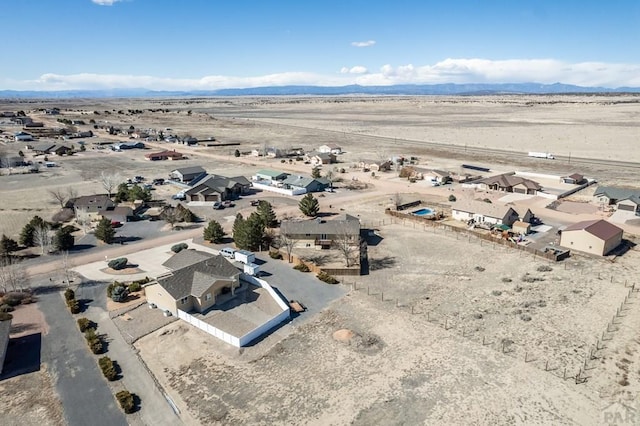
(183, 301)
(207, 296)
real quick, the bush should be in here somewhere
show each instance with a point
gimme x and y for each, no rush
(452, 198)
(177, 248)
(119, 263)
(85, 324)
(108, 368)
(119, 293)
(302, 267)
(5, 316)
(275, 254)
(74, 306)
(323, 276)
(134, 286)
(125, 398)
(486, 200)
(93, 340)
(14, 298)
(544, 268)
(69, 294)
(6, 308)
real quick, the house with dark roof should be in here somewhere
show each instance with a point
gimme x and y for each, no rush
(92, 205)
(120, 214)
(307, 183)
(622, 198)
(22, 137)
(332, 148)
(375, 165)
(597, 237)
(322, 234)
(319, 158)
(164, 155)
(573, 179)
(187, 174)
(197, 282)
(218, 188)
(49, 148)
(508, 182)
(272, 175)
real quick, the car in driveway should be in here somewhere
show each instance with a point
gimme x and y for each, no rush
(228, 203)
(217, 205)
(255, 202)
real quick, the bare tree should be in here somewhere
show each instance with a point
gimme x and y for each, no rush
(347, 244)
(13, 276)
(42, 237)
(171, 215)
(109, 182)
(71, 193)
(59, 195)
(83, 219)
(287, 242)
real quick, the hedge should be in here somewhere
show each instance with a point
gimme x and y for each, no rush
(177, 248)
(74, 306)
(85, 324)
(69, 294)
(275, 254)
(108, 368)
(125, 398)
(323, 276)
(119, 263)
(93, 340)
(302, 267)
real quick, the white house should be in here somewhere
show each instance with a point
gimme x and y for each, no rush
(330, 148)
(481, 212)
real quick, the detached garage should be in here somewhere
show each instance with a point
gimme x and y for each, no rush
(597, 237)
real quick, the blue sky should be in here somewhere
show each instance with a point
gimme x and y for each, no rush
(213, 44)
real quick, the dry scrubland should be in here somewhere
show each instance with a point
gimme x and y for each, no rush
(430, 366)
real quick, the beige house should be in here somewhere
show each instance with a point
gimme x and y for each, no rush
(508, 182)
(597, 237)
(197, 282)
(332, 148)
(322, 234)
(481, 212)
(92, 206)
(375, 166)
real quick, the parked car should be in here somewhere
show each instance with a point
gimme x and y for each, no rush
(115, 224)
(179, 197)
(255, 202)
(217, 205)
(228, 203)
(158, 181)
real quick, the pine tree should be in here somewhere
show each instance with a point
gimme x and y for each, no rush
(239, 232)
(7, 246)
(28, 233)
(315, 173)
(266, 213)
(104, 231)
(254, 231)
(63, 239)
(214, 232)
(309, 205)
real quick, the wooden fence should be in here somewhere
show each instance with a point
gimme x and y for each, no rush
(295, 260)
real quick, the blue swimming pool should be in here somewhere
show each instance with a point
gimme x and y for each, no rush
(423, 212)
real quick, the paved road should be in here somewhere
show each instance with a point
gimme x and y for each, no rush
(85, 395)
(154, 408)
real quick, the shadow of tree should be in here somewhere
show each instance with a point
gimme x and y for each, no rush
(382, 263)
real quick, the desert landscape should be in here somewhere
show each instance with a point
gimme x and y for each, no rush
(445, 327)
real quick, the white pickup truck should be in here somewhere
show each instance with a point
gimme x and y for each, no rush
(546, 155)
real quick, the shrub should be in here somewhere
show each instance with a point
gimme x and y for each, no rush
(275, 254)
(69, 294)
(6, 308)
(302, 267)
(93, 340)
(14, 298)
(177, 248)
(27, 300)
(125, 398)
(506, 280)
(108, 368)
(486, 200)
(134, 286)
(85, 324)
(119, 293)
(5, 316)
(119, 263)
(323, 276)
(544, 268)
(452, 198)
(74, 306)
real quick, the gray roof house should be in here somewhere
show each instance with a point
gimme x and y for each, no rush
(92, 203)
(481, 212)
(623, 198)
(218, 188)
(321, 233)
(508, 182)
(267, 174)
(308, 183)
(197, 281)
(188, 174)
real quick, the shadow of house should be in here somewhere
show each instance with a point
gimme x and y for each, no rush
(22, 356)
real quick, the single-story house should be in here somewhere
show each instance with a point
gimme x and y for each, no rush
(375, 166)
(127, 145)
(440, 176)
(52, 111)
(308, 183)
(508, 182)
(330, 148)
(49, 148)
(218, 188)
(190, 140)
(187, 174)
(475, 211)
(272, 175)
(120, 214)
(92, 205)
(623, 198)
(138, 134)
(318, 158)
(573, 179)
(274, 152)
(22, 137)
(320, 233)
(7, 114)
(597, 237)
(164, 155)
(33, 124)
(22, 120)
(520, 227)
(197, 282)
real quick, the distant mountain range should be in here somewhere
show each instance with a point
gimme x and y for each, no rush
(400, 89)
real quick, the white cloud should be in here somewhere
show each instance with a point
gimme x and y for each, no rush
(544, 71)
(105, 2)
(354, 70)
(367, 43)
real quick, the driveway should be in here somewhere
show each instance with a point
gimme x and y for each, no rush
(85, 395)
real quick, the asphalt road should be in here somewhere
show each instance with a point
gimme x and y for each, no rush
(84, 392)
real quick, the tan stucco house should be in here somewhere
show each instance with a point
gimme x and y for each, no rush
(482, 212)
(321, 233)
(92, 205)
(597, 237)
(196, 282)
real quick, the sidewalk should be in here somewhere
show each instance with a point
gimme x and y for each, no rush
(154, 408)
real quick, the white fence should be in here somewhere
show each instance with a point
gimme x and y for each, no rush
(294, 191)
(251, 335)
(226, 337)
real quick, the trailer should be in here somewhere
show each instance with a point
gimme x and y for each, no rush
(252, 269)
(472, 167)
(546, 155)
(244, 256)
